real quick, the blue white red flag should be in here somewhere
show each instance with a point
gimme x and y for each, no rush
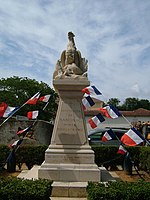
(94, 121)
(108, 135)
(33, 100)
(110, 111)
(132, 137)
(33, 114)
(16, 143)
(9, 111)
(87, 102)
(45, 98)
(24, 131)
(93, 92)
(3, 107)
(122, 150)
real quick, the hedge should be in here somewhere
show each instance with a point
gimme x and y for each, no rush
(104, 155)
(19, 189)
(119, 191)
(108, 157)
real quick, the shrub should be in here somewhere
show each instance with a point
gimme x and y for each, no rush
(144, 158)
(104, 155)
(19, 189)
(118, 191)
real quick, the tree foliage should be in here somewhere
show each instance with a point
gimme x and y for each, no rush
(114, 101)
(15, 91)
(135, 103)
(130, 103)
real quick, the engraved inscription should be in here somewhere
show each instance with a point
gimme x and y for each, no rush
(70, 120)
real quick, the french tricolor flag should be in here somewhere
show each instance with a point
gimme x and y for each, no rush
(23, 131)
(33, 100)
(94, 121)
(16, 143)
(132, 137)
(3, 107)
(45, 98)
(7, 111)
(110, 111)
(32, 114)
(108, 135)
(122, 150)
(87, 102)
(93, 92)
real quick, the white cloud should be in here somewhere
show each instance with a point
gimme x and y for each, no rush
(112, 35)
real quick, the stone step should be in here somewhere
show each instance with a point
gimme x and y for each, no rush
(30, 174)
(108, 176)
(23, 173)
(69, 189)
(67, 198)
(33, 174)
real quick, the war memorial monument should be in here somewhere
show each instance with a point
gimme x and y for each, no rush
(69, 157)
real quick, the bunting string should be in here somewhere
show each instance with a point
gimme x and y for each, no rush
(32, 100)
(109, 111)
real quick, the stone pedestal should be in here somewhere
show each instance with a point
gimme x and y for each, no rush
(69, 156)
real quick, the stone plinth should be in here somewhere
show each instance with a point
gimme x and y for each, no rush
(69, 189)
(69, 157)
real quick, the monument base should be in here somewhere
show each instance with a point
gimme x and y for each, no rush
(69, 163)
(75, 190)
(69, 157)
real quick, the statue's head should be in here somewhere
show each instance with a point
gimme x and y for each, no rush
(70, 56)
(70, 35)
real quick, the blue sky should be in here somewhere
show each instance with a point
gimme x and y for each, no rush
(113, 35)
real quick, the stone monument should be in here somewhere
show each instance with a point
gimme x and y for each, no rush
(69, 157)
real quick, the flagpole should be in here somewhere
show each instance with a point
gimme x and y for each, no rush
(127, 120)
(14, 112)
(46, 105)
(10, 116)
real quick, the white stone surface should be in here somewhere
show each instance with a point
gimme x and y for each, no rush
(69, 157)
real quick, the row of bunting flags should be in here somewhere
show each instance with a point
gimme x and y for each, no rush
(131, 138)
(8, 111)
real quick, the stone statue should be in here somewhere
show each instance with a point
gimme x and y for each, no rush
(71, 64)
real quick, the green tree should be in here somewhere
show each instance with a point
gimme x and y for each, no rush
(131, 104)
(114, 101)
(144, 103)
(15, 91)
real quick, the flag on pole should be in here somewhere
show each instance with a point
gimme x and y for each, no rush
(24, 131)
(9, 111)
(122, 150)
(44, 98)
(87, 102)
(93, 92)
(33, 100)
(132, 137)
(94, 121)
(3, 107)
(6, 111)
(32, 114)
(108, 135)
(16, 143)
(110, 111)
